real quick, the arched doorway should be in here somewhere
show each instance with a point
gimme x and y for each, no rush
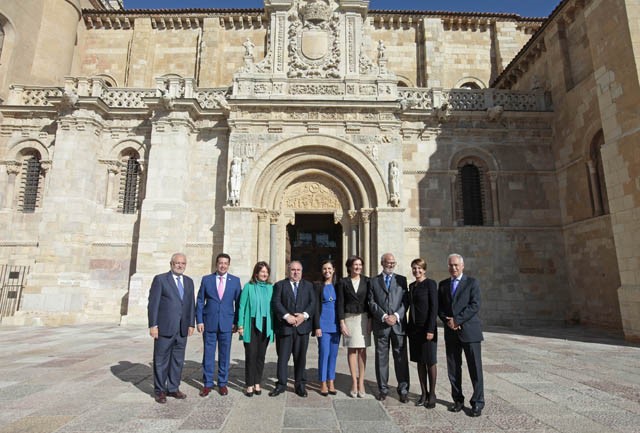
(314, 238)
(312, 175)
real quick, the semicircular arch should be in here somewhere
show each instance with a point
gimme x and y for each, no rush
(299, 158)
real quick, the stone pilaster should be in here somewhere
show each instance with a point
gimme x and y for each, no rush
(164, 209)
(58, 290)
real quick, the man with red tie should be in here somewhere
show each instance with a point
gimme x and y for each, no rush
(217, 318)
(458, 308)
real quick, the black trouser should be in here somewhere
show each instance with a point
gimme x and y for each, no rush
(294, 344)
(254, 353)
(473, 355)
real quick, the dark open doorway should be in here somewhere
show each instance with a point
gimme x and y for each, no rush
(313, 239)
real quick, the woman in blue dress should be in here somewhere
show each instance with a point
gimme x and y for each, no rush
(326, 330)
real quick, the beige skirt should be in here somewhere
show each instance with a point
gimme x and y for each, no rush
(357, 324)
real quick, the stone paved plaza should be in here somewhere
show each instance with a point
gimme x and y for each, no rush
(99, 379)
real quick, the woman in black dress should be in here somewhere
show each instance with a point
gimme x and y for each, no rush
(422, 330)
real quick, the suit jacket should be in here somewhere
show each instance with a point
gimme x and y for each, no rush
(283, 302)
(218, 315)
(383, 301)
(349, 301)
(464, 308)
(166, 310)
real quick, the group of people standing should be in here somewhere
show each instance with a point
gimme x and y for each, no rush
(351, 309)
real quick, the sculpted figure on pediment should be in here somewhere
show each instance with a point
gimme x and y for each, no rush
(311, 195)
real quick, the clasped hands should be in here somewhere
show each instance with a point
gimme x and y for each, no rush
(391, 319)
(296, 319)
(451, 323)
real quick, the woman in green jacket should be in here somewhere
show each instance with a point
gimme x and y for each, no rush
(255, 325)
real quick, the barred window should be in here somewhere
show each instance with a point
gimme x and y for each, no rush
(130, 186)
(31, 182)
(472, 197)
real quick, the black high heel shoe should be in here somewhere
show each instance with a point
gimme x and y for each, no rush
(421, 400)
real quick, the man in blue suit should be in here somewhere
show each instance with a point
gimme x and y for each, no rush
(217, 316)
(458, 308)
(171, 312)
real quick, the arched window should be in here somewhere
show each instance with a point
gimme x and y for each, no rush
(470, 85)
(130, 183)
(31, 183)
(599, 200)
(474, 193)
(471, 185)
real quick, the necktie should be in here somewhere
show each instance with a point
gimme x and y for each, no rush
(180, 286)
(387, 281)
(221, 286)
(454, 287)
(295, 290)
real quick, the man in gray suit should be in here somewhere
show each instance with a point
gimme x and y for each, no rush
(171, 312)
(458, 308)
(388, 302)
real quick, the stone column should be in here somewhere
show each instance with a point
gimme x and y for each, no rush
(13, 170)
(493, 178)
(273, 242)
(263, 235)
(353, 228)
(163, 208)
(365, 232)
(452, 181)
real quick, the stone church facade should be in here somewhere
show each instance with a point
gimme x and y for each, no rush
(315, 129)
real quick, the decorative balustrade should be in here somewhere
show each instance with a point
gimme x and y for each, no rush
(419, 98)
(176, 88)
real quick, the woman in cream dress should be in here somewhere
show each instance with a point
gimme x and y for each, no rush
(355, 323)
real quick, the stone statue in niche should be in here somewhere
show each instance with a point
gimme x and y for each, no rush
(394, 184)
(235, 181)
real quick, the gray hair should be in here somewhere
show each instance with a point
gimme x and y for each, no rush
(174, 255)
(457, 256)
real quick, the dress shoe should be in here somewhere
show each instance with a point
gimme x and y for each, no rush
(475, 411)
(381, 397)
(302, 392)
(324, 393)
(362, 394)
(257, 391)
(333, 392)
(421, 400)
(276, 392)
(161, 397)
(353, 394)
(248, 393)
(404, 398)
(204, 392)
(456, 406)
(223, 390)
(177, 394)
(431, 403)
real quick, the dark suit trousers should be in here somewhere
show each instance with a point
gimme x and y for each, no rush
(296, 345)
(398, 344)
(473, 355)
(168, 359)
(254, 354)
(223, 342)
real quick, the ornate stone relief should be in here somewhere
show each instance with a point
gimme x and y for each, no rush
(311, 196)
(314, 35)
